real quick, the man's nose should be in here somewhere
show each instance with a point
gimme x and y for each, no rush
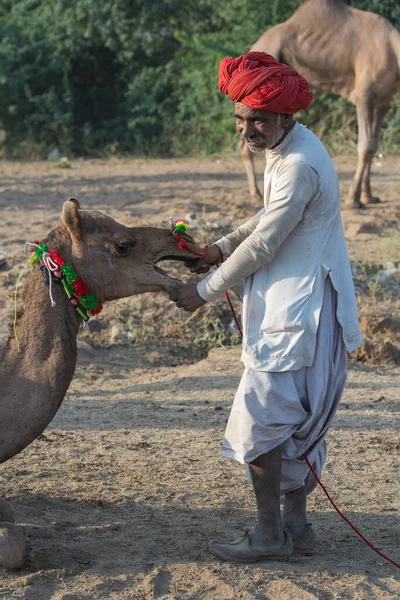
(248, 129)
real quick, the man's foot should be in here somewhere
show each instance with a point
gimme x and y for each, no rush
(305, 541)
(241, 551)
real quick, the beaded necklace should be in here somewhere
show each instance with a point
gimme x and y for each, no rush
(57, 270)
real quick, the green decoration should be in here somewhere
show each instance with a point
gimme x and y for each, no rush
(69, 273)
(67, 288)
(83, 305)
(89, 301)
(38, 252)
(81, 314)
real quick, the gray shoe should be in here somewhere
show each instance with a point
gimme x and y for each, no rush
(241, 551)
(305, 542)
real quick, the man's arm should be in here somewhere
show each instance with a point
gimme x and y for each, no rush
(230, 242)
(220, 250)
(296, 184)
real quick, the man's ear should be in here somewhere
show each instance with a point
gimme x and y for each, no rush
(286, 120)
(71, 219)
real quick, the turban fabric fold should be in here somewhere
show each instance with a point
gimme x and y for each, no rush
(259, 81)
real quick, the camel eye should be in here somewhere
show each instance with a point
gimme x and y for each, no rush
(124, 246)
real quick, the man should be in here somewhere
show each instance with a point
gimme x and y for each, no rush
(299, 309)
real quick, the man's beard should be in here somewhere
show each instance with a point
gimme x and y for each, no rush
(257, 149)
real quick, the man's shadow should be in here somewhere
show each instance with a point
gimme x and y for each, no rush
(131, 537)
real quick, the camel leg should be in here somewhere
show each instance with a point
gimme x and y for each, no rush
(6, 512)
(366, 193)
(365, 112)
(14, 546)
(256, 198)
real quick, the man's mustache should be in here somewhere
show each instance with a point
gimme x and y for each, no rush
(256, 139)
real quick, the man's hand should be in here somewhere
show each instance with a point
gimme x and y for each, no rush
(203, 264)
(187, 297)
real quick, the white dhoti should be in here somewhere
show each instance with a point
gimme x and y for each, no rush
(291, 409)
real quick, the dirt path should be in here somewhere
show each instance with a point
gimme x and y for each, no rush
(124, 490)
(127, 485)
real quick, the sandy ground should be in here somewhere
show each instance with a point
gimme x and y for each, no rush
(126, 486)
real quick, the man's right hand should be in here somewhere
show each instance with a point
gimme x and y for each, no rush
(204, 264)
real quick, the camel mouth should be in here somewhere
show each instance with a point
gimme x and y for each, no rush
(181, 257)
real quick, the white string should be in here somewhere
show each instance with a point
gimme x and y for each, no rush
(49, 264)
(30, 244)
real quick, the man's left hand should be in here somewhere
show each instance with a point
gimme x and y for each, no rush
(187, 297)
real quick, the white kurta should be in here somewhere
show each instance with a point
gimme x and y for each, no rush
(282, 256)
(292, 409)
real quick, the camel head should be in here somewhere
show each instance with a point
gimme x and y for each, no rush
(115, 261)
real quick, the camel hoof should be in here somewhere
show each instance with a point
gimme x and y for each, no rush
(371, 200)
(6, 512)
(14, 546)
(354, 206)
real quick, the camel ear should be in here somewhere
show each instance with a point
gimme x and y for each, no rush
(70, 217)
(75, 201)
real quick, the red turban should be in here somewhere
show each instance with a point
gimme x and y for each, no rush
(259, 81)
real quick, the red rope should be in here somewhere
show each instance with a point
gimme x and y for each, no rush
(364, 539)
(182, 245)
(234, 314)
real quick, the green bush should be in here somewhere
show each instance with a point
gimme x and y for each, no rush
(95, 77)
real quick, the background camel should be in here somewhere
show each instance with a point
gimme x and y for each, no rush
(115, 261)
(345, 51)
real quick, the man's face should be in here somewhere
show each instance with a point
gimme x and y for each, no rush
(262, 130)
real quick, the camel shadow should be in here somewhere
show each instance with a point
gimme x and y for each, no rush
(184, 403)
(99, 411)
(133, 538)
(189, 383)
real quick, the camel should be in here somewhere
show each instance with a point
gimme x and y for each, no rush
(345, 51)
(114, 261)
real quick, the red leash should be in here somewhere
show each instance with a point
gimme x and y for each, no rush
(182, 245)
(234, 314)
(364, 539)
(185, 246)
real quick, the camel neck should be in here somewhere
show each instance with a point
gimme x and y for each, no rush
(34, 381)
(43, 328)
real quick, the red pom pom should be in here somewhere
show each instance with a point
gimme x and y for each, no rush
(80, 287)
(97, 310)
(57, 258)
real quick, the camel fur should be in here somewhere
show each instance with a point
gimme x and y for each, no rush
(115, 261)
